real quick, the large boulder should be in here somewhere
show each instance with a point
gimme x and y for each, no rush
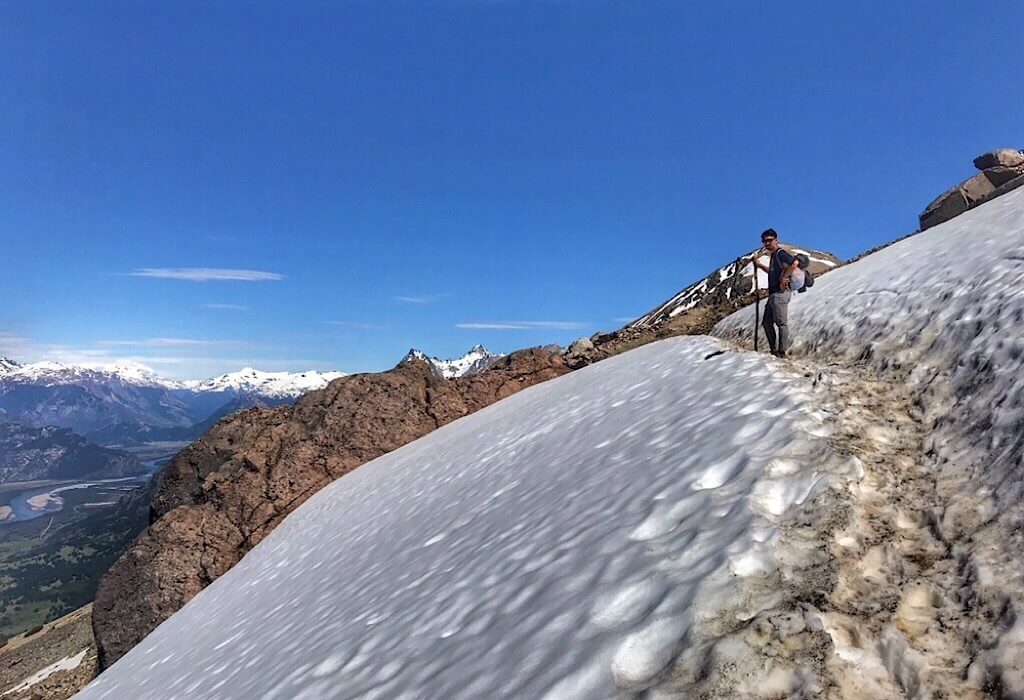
(953, 202)
(1001, 174)
(580, 353)
(1009, 157)
(977, 187)
(223, 494)
(1001, 171)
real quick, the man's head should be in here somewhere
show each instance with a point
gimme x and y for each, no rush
(770, 240)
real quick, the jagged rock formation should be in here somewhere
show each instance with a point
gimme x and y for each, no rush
(1002, 170)
(223, 494)
(476, 360)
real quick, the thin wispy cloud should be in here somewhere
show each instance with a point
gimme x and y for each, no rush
(521, 325)
(227, 307)
(422, 298)
(206, 274)
(625, 319)
(353, 324)
(173, 343)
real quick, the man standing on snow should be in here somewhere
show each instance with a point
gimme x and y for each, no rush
(776, 313)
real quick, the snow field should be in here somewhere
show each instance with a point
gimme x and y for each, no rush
(609, 532)
(943, 312)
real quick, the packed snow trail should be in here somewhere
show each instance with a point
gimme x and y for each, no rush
(609, 533)
(935, 324)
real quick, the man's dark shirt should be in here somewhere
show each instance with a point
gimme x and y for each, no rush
(780, 261)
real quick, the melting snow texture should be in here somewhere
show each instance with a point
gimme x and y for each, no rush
(573, 540)
(946, 307)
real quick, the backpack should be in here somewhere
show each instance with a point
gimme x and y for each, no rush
(804, 263)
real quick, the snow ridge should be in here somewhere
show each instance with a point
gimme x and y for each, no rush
(269, 384)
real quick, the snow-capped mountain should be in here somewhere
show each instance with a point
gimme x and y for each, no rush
(86, 400)
(131, 402)
(728, 282)
(50, 373)
(275, 385)
(476, 360)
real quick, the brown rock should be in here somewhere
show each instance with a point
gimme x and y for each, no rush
(1001, 174)
(223, 494)
(1010, 157)
(977, 187)
(950, 203)
(581, 352)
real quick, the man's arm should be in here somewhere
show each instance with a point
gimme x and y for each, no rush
(786, 274)
(757, 262)
(790, 262)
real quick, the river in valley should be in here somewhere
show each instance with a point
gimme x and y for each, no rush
(40, 500)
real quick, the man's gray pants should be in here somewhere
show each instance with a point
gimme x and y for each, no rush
(776, 313)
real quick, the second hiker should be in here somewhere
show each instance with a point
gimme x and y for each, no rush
(780, 270)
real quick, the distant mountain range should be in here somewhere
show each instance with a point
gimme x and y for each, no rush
(131, 404)
(476, 360)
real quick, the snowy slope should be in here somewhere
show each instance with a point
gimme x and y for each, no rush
(569, 541)
(476, 360)
(946, 308)
(276, 385)
(7, 366)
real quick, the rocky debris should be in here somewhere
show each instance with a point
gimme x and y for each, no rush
(1010, 157)
(581, 353)
(24, 658)
(223, 494)
(1002, 170)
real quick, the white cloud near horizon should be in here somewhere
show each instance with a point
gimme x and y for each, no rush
(229, 307)
(353, 324)
(522, 325)
(173, 342)
(422, 298)
(206, 274)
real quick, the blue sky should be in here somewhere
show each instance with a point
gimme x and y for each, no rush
(437, 174)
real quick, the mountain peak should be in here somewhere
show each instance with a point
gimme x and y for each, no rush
(477, 359)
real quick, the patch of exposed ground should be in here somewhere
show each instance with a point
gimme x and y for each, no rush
(53, 663)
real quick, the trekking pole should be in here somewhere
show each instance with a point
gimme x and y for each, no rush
(757, 298)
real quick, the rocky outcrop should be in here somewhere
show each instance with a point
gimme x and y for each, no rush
(1010, 157)
(1002, 170)
(223, 494)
